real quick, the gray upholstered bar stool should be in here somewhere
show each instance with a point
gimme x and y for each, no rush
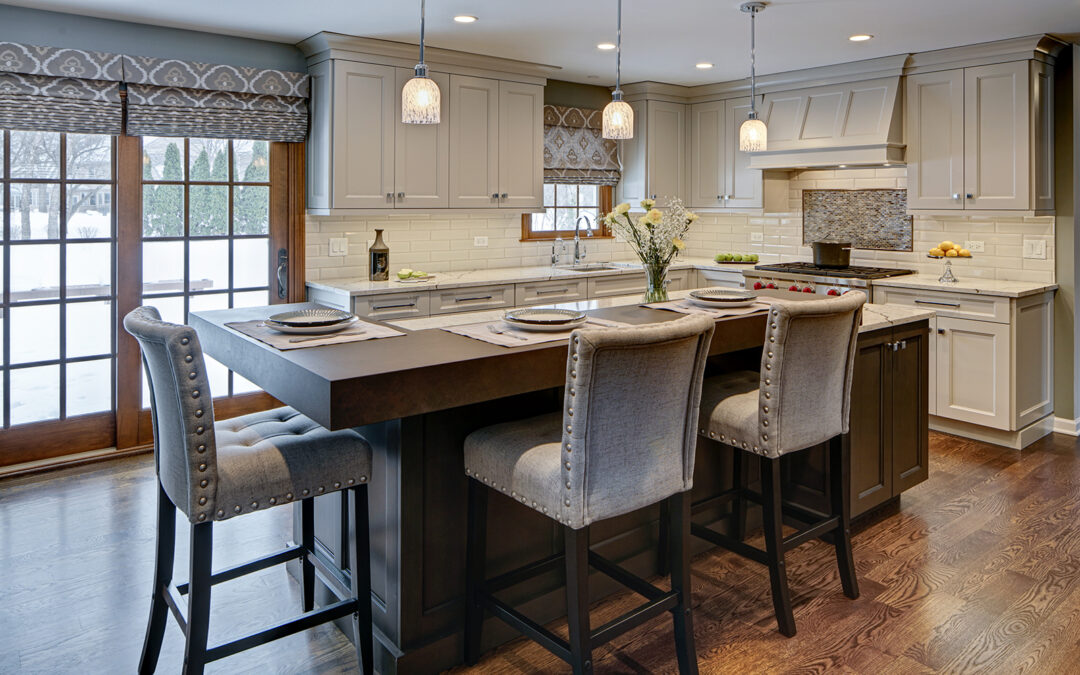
(799, 399)
(217, 470)
(625, 440)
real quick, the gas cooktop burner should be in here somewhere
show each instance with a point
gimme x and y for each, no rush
(844, 272)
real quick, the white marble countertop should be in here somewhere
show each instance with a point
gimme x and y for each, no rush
(874, 316)
(503, 275)
(1008, 289)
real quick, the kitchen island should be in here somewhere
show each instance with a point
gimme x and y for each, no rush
(416, 397)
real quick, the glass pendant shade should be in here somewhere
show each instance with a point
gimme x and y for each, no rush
(618, 121)
(753, 135)
(421, 101)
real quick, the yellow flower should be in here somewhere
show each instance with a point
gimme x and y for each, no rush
(647, 204)
(655, 216)
(620, 209)
(691, 217)
(679, 243)
(643, 221)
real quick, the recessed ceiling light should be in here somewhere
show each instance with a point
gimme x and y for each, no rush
(842, 166)
(704, 66)
(465, 18)
(860, 37)
(606, 46)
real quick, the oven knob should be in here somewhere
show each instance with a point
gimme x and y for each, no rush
(758, 286)
(833, 291)
(808, 289)
(770, 285)
(793, 287)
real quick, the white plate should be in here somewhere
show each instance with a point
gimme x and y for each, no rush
(721, 295)
(721, 305)
(416, 280)
(545, 316)
(312, 330)
(321, 316)
(545, 327)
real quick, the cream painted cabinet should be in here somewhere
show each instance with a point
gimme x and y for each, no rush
(632, 153)
(743, 186)
(521, 145)
(421, 159)
(474, 142)
(666, 151)
(708, 151)
(361, 143)
(981, 138)
(973, 371)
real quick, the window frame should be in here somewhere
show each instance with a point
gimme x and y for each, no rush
(601, 229)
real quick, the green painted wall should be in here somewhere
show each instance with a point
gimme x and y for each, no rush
(1067, 253)
(574, 95)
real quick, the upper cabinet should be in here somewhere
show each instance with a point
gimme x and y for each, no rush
(981, 138)
(720, 173)
(655, 159)
(487, 152)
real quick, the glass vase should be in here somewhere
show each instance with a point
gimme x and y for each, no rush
(656, 283)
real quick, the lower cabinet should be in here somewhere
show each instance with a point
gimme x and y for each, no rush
(973, 371)
(722, 278)
(392, 305)
(555, 290)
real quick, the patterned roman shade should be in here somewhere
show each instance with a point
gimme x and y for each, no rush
(167, 97)
(575, 150)
(55, 89)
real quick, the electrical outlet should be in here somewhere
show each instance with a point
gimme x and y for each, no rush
(339, 246)
(480, 241)
(975, 246)
(1035, 248)
(757, 236)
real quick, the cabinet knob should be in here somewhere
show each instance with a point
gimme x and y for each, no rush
(653, 197)
(970, 196)
(389, 196)
(956, 195)
(494, 195)
(719, 197)
(505, 195)
(401, 195)
(940, 331)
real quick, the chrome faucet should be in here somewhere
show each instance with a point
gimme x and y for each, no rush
(579, 248)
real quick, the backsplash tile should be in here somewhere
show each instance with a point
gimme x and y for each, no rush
(867, 218)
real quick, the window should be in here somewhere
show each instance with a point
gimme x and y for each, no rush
(564, 203)
(59, 296)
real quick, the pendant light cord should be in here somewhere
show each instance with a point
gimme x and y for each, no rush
(618, 50)
(422, 8)
(753, 63)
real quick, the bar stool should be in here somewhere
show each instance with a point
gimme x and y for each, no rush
(800, 398)
(625, 440)
(214, 471)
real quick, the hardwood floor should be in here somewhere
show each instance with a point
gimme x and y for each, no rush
(978, 571)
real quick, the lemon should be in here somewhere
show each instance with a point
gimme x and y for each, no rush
(946, 245)
(964, 253)
(952, 253)
(937, 252)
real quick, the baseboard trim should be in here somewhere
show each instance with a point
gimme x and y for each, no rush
(65, 461)
(1067, 426)
(1017, 440)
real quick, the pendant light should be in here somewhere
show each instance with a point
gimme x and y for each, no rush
(752, 134)
(618, 115)
(421, 101)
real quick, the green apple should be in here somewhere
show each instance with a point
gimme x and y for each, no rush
(752, 257)
(737, 258)
(405, 273)
(418, 273)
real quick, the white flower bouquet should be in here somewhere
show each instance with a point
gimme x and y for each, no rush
(656, 237)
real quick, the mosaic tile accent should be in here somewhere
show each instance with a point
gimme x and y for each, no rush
(869, 219)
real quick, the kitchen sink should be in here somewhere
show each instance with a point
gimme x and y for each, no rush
(590, 267)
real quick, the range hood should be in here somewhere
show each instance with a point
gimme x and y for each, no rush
(852, 124)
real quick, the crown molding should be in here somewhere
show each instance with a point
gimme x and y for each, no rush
(1042, 48)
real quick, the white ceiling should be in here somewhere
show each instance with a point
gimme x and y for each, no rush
(662, 39)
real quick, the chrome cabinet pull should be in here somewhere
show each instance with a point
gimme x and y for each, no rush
(478, 297)
(956, 195)
(970, 196)
(401, 195)
(505, 195)
(381, 307)
(560, 290)
(494, 195)
(936, 302)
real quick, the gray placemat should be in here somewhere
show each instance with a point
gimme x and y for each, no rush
(686, 307)
(514, 337)
(358, 332)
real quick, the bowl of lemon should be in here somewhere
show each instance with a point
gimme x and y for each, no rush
(949, 251)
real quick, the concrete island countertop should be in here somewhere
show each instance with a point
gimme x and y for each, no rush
(997, 287)
(874, 316)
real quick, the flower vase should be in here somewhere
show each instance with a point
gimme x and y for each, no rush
(656, 283)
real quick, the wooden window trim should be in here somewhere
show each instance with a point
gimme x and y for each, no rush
(602, 231)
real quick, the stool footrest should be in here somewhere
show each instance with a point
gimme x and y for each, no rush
(330, 576)
(300, 623)
(716, 500)
(634, 618)
(550, 641)
(730, 543)
(237, 571)
(524, 573)
(171, 594)
(812, 532)
(631, 581)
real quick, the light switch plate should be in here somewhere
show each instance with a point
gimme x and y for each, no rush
(757, 236)
(1035, 249)
(975, 246)
(479, 241)
(339, 246)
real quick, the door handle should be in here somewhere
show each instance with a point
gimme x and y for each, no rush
(937, 302)
(282, 274)
(478, 297)
(381, 307)
(560, 290)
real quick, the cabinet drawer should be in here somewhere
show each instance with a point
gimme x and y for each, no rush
(680, 280)
(559, 290)
(616, 284)
(472, 298)
(945, 303)
(391, 305)
(722, 278)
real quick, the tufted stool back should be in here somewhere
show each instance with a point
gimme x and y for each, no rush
(806, 369)
(630, 416)
(182, 410)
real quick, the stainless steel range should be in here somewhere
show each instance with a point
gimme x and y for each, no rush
(809, 278)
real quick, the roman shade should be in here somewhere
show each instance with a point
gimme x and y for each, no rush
(167, 97)
(575, 150)
(60, 90)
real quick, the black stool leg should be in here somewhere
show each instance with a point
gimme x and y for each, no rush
(360, 556)
(679, 515)
(839, 467)
(202, 556)
(740, 470)
(163, 571)
(663, 540)
(772, 519)
(475, 554)
(577, 598)
(307, 540)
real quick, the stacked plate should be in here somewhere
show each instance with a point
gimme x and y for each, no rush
(544, 320)
(321, 321)
(715, 298)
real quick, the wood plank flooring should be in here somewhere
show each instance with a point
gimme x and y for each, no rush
(978, 571)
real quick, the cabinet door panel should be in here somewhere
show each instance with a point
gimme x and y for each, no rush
(908, 430)
(364, 125)
(742, 185)
(521, 145)
(707, 154)
(666, 138)
(997, 142)
(631, 186)
(422, 153)
(320, 150)
(973, 371)
(870, 443)
(934, 126)
(474, 142)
